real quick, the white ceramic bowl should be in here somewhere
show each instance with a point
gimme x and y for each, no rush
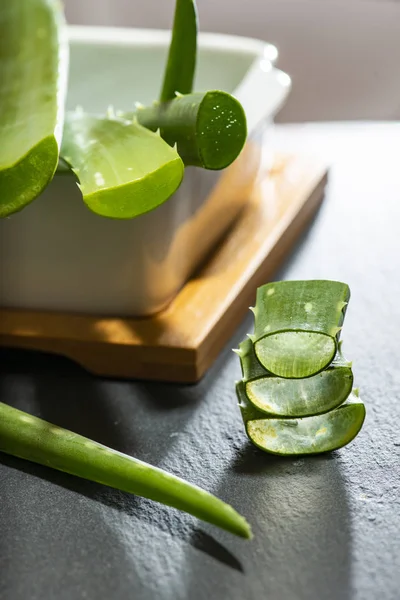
(56, 255)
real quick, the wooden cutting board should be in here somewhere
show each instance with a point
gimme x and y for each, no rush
(183, 341)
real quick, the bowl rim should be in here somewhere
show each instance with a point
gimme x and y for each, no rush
(160, 38)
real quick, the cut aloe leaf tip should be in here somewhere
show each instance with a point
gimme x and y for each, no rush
(208, 128)
(33, 77)
(124, 169)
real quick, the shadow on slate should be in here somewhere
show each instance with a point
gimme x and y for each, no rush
(291, 502)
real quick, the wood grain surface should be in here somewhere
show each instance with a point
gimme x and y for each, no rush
(183, 341)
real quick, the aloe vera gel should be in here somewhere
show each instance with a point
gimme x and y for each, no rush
(296, 395)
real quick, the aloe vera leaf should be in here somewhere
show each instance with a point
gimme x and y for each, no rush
(124, 169)
(281, 397)
(209, 128)
(33, 77)
(181, 61)
(308, 435)
(33, 439)
(297, 325)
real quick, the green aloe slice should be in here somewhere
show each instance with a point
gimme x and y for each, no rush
(124, 169)
(297, 325)
(277, 396)
(181, 61)
(33, 439)
(33, 76)
(208, 128)
(308, 435)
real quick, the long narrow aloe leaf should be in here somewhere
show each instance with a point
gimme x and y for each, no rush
(124, 169)
(209, 128)
(33, 439)
(281, 397)
(297, 325)
(308, 435)
(181, 62)
(33, 74)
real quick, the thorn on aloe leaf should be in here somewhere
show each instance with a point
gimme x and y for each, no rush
(335, 331)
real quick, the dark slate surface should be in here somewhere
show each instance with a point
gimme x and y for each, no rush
(325, 527)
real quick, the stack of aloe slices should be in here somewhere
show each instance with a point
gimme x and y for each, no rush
(296, 395)
(126, 163)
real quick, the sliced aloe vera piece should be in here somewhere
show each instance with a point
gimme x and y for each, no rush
(209, 128)
(181, 62)
(308, 435)
(124, 170)
(297, 325)
(276, 396)
(33, 75)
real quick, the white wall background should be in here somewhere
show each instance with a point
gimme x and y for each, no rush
(343, 55)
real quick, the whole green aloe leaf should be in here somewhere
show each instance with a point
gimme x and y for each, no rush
(297, 325)
(281, 397)
(33, 74)
(33, 439)
(208, 128)
(181, 62)
(124, 169)
(308, 435)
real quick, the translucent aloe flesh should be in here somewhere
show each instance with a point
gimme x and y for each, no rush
(281, 397)
(33, 439)
(308, 435)
(181, 62)
(209, 128)
(124, 170)
(297, 325)
(33, 68)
